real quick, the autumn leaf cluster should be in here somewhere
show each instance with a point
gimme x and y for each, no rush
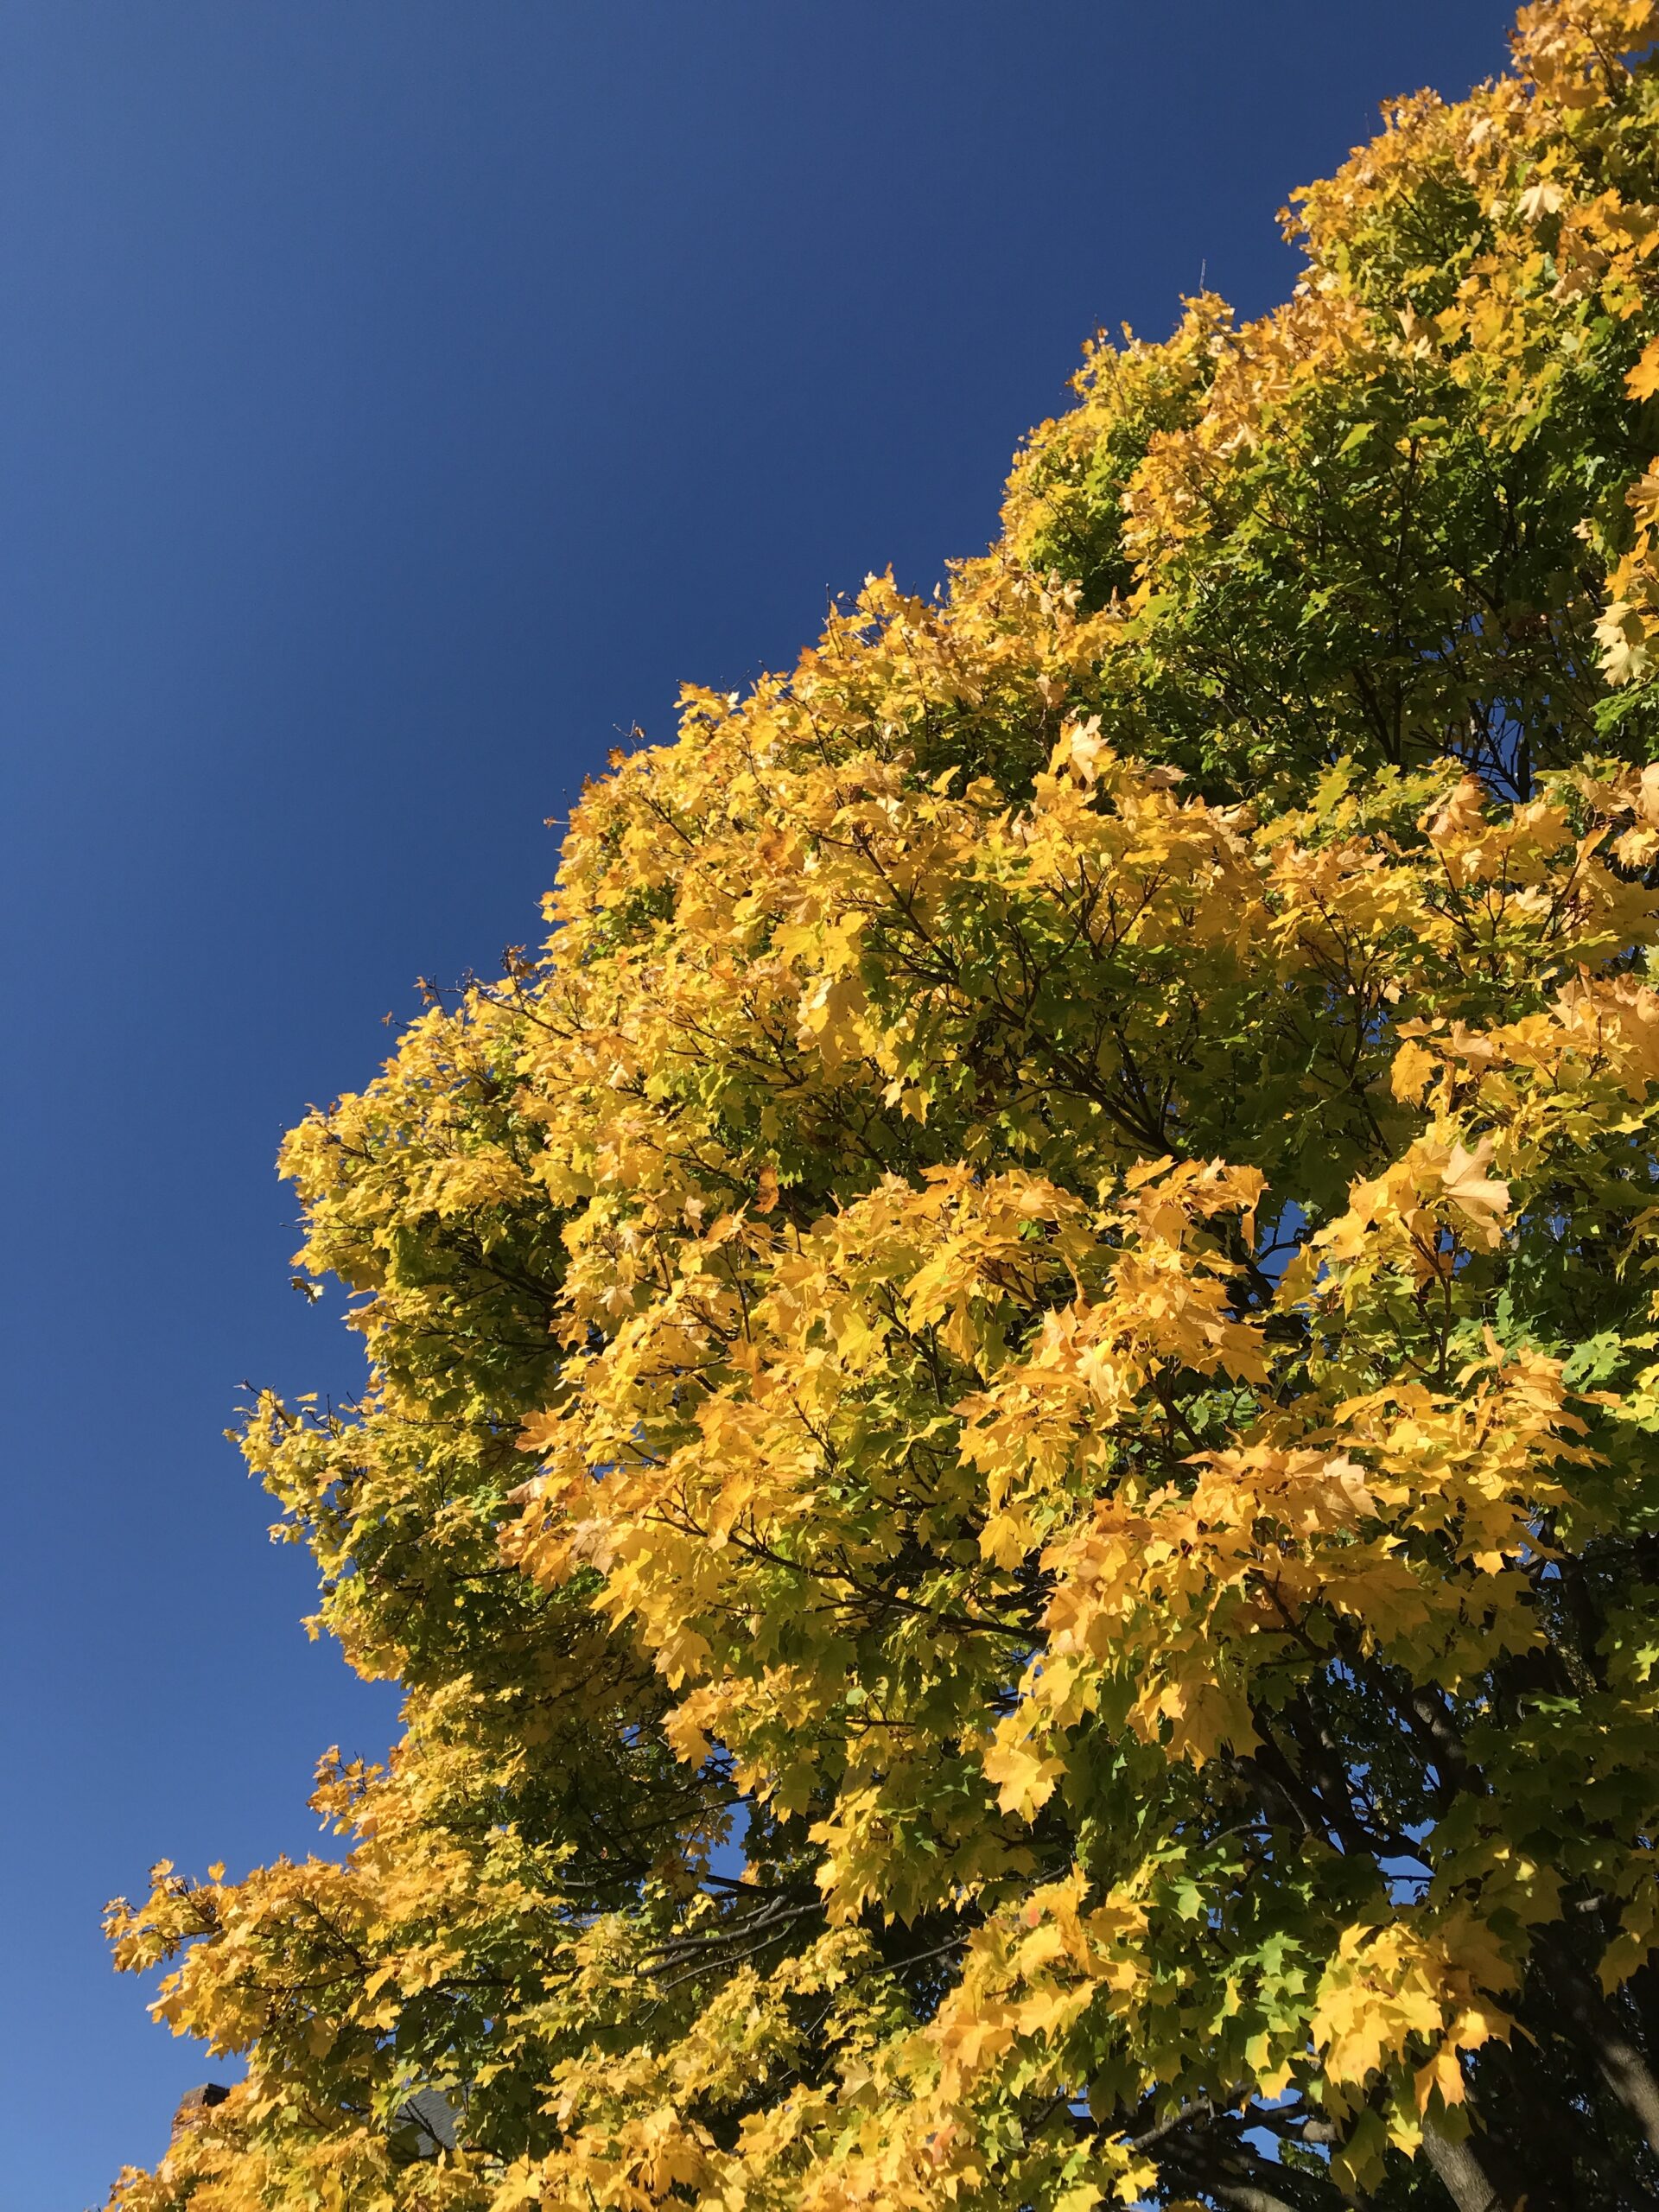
(1011, 1455)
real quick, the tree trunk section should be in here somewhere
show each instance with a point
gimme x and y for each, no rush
(1461, 2173)
(1624, 2067)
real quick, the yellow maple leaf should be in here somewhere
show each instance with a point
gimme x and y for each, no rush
(1643, 381)
(1484, 1199)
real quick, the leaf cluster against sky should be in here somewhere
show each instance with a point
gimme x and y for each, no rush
(1009, 1456)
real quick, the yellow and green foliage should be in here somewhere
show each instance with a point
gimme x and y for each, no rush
(1012, 1450)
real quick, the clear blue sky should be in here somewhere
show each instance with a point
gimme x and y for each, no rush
(398, 397)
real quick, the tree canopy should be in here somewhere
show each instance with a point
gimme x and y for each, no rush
(1011, 1456)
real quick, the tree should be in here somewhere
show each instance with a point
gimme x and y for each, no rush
(1012, 1450)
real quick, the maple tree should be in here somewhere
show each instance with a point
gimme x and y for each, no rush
(1011, 1451)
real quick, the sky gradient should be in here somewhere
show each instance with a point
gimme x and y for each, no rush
(398, 398)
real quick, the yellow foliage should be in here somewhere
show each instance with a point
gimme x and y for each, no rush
(1007, 1455)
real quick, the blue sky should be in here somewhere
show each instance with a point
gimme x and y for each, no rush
(397, 398)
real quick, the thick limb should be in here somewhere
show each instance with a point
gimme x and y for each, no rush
(1593, 2023)
(1462, 2173)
